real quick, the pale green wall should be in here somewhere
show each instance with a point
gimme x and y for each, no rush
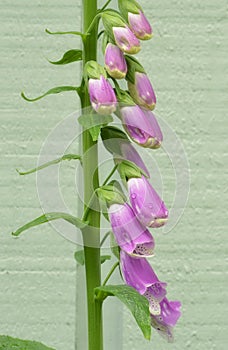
(187, 62)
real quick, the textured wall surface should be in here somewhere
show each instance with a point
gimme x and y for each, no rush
(187, 62)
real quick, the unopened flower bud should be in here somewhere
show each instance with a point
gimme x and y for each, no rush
(133, 14)
(142, 91)
(115, 62)
(102, 96)
(126, 40)
(140, 25)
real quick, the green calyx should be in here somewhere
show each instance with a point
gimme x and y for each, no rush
(110, 19)
(111, 194)
(126, 6)
(133, 66)
(93, 70)
(128, 170)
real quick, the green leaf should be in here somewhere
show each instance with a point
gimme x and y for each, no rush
(55, 90)
(94, 123)
(69, 56)
(105, 258)
(52, 162)
(9, 343)
(80, 257)
(63, 33)
(49, 217)
(136, 303)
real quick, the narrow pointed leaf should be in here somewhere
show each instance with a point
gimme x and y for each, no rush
(64, 33)
(69, 57)
(49, 217)
(55, 90)
(80, 257)
(9, 343)
(136, 303)
(52, 162)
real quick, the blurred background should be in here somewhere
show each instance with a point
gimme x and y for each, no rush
(187, 64)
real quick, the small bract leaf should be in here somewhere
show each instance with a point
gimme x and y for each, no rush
(135, 302)
(52, 162)
(9, 343)
(94, 123)
(80, 257)
(55, 90)
(49, 217)
(69, 57)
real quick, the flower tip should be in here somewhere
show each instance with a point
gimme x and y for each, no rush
(133, 50)
(158, 223)
(115, 73)
(105, 109)
(147, 36)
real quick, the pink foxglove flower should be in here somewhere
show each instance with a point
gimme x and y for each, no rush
(141, 126)
(102, 96)
(130, 235)
(142, 91)
(138, 274)
(126, 40)
(140, 25)
(146, 203)
(115, 62)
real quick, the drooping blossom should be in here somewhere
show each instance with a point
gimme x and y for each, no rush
(141, 126)
(130, 234)
(138, 273)
(126, 40)
(102, 96)
(140, 25)
(146, 203)
(115, 62)
(142, 91)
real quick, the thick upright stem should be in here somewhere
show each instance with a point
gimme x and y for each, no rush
(91, 235)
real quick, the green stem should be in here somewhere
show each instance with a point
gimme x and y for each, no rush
(110, 175)
(105, 237)
(105, 5)
(110, 273)
(91, 234)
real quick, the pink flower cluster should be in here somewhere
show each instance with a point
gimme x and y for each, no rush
(130, 222)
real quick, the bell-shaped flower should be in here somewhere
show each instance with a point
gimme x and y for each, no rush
(142, 91)
(164, 323)
(126, 40)
(139, 274)
(141, 126)
(130, 234)
(115, 62)
(140, 25)
(146, 203)
(102, 96)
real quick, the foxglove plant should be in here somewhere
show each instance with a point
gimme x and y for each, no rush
(129, 218)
